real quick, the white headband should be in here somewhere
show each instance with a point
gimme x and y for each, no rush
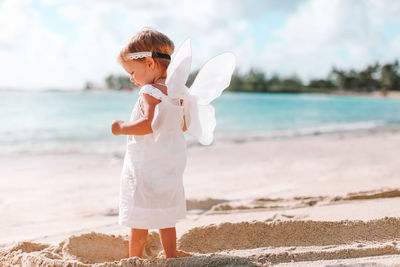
(137, 55)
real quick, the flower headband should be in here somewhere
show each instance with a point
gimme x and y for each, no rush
(137, 55)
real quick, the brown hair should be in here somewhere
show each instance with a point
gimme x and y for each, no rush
(152, 41)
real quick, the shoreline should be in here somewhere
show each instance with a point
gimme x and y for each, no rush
(300, 133)
(117, 148)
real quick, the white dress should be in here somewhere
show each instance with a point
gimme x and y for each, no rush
(151, 189)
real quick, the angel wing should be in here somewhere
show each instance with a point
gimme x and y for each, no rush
(178, 71)
(211, 80)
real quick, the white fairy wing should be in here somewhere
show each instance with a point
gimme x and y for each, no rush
(201, 122)
(178, 71)
(212, 79)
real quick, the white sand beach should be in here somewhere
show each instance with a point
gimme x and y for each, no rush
(299, 201)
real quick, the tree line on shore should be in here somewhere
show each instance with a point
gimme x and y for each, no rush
(385, 77)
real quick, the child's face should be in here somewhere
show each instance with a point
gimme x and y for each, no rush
(141, 72)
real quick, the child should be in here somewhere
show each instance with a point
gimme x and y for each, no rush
(151, 193)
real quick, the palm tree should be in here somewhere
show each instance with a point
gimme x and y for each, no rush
(390, 77)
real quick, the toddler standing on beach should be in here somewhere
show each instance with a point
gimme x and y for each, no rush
(151, 193)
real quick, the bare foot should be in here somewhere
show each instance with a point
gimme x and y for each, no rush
(182, 254)
(179, 254)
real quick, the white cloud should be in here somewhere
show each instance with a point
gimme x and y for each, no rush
(326, 33)
(387, 8)
(104, 26)
(255, 8)
(72, 12)
(12, 30)
(29, 50)
(393, 52)
(317, 35)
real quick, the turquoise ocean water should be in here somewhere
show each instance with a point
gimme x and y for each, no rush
(42, 121)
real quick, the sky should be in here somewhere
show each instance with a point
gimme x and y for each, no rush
(62, 44)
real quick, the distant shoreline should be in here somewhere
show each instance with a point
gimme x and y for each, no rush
(374, 94)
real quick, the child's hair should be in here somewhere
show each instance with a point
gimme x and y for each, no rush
(152, 41)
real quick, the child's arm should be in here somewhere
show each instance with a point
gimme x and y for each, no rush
(184, 121)
(141, 126)
(184, 125)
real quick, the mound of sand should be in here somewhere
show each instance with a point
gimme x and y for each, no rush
(246, 243)
(372, 194)
(247, 235)
(89, 248)
(106, 248)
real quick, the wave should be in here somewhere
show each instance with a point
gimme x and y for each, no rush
(309, 131)
(117, 147)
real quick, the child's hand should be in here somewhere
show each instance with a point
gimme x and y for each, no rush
(116, 127)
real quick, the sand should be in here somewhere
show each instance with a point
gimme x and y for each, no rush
(324, 200)
(255, 243)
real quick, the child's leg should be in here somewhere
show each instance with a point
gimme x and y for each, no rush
(137, 241)
(168, 241)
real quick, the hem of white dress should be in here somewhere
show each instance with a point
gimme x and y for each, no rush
(146, 226)
(141, 218)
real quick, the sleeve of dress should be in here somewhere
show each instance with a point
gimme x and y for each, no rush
(151, 90)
